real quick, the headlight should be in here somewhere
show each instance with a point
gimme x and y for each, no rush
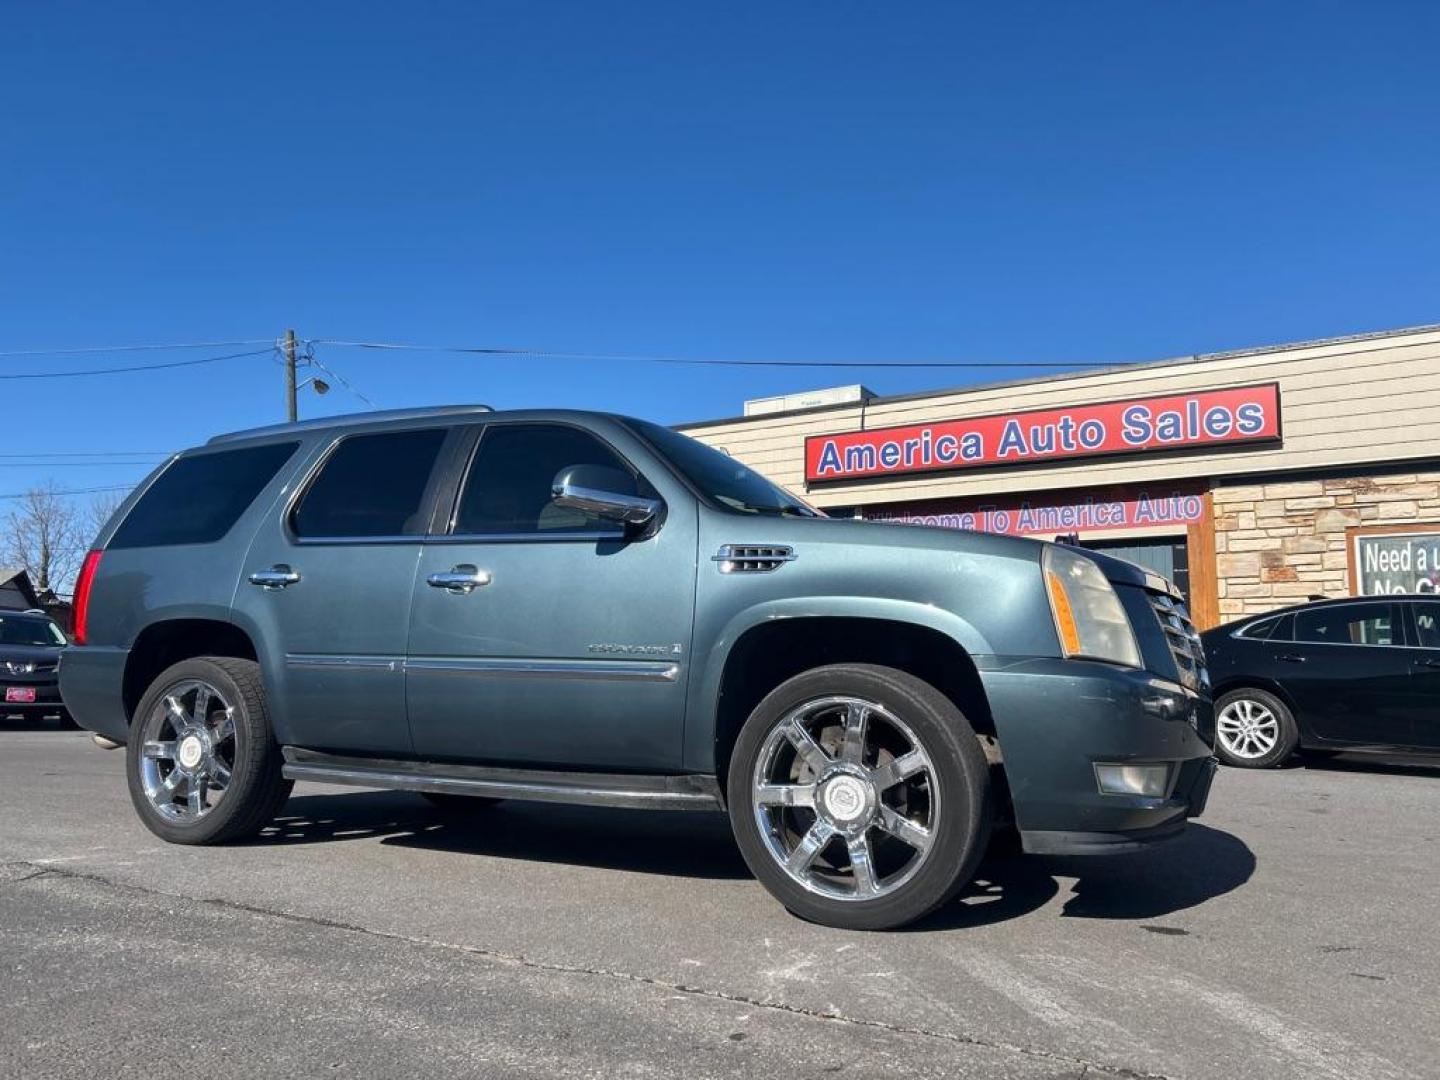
(1089, 618)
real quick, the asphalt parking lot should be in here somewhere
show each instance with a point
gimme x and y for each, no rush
(1293, 933)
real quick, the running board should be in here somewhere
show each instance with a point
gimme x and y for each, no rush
(688, 791)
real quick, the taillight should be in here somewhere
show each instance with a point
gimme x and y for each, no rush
(82, 594)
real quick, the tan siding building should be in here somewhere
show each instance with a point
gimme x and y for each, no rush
(1248, 518)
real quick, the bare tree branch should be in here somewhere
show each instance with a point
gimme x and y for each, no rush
(102, 506)
(43, 533)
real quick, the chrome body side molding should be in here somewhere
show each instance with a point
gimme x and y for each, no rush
(678, 792)
(494, 667)
(336, 662)
(520, 668)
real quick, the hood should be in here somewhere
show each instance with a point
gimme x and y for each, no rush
(894, 534)
(37, 653)
(1125, 572)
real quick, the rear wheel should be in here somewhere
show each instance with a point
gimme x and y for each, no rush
(1254, 729)
(859, 796)
(202, 762)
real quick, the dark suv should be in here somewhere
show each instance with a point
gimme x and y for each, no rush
(574, 607)
(30, 645)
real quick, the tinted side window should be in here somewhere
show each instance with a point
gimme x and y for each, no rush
(198, 498)
(1262, 629)
(372, 485)
(1347, 624)
(1427, 623)
(508, 489)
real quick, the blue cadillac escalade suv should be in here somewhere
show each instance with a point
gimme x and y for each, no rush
(574, 607)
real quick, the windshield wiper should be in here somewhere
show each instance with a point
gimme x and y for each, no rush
(779, 511)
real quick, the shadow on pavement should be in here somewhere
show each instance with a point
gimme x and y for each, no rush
(1199, 865)
(1421, 765)
(679, 843)
(17, 722)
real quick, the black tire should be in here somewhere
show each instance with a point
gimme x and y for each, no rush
(256, 790)
(450, 803)
(1287, 740)
(958, 838)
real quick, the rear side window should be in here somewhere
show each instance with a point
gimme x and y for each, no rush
(1262, 629)
(1427, 623)
(509, 486)
(1347, 624)
(199, 498)
(372, 485)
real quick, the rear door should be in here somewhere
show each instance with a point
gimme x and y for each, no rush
(1348, 672)
(572, 649)
(1424, 672)
(326, 589)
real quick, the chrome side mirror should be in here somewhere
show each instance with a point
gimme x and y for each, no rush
(601, 491)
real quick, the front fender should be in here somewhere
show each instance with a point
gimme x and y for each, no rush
(704, 692)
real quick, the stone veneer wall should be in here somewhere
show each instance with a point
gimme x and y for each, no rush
(1278, 543)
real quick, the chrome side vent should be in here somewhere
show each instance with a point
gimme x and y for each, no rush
(752, 558)
(1184, 640)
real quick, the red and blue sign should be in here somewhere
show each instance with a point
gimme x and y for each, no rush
(1098, 511)
(1204, 419)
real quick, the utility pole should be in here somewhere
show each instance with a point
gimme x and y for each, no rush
(290, 405)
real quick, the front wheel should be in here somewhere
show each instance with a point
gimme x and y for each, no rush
(859, 796)
(1254, 729)
(201, 760)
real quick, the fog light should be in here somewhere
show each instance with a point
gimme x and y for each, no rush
(1151, 780)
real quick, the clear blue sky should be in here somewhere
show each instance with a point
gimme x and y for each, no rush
(1097, 181)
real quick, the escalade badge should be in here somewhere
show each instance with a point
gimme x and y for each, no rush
(635, 650)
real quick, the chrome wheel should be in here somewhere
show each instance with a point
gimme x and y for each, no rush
(1247, 728)
(846, 797)
(188, 751)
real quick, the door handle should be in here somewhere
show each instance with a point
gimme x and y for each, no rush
(462, 579)
(1429, 663)
(279, 576)
(1292, 658)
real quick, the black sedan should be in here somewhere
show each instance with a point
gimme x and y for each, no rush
(30, 646)
(1354, 674)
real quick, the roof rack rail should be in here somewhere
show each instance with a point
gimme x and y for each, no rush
(351, 420)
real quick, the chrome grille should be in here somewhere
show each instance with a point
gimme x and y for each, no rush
(752, 558)
(1184, 640)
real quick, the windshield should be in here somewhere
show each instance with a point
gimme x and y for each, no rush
(720, 477)
(19, 630)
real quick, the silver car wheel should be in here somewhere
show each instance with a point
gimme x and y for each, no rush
(1247, 728)
(187, 753)
(846, 798)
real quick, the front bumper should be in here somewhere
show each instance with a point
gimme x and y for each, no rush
(47, 697)
(1055, 719)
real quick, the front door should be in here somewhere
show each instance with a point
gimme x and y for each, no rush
(327, 587)
(562, 640)
(1348, 672)
(1425, 673)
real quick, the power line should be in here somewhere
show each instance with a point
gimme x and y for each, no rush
(137, 348)
(71, 491)
(90, 453)
(342, 380)
(136, 367)
(707, 362)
